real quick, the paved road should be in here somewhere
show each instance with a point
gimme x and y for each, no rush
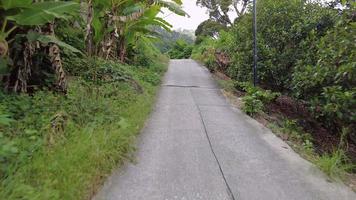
(196, 146)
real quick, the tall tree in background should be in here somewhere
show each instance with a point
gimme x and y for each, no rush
(209, 28)
(219, 9)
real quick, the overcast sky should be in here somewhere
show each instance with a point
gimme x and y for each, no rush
(197, 15)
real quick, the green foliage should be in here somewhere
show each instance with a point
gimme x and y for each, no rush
(181, 50)
(335, 165)
(46, 39)
(328, 80)
(219, 11)
(305, 49)
(108, 29)
(255, 98)
(71, 33)
(37, 13)
(167, 39)
(144, 52)
(208, 28)
(295, 133)
(205, 53)
(252, 105)
(58, 147)
(61, 146)
(23, 15)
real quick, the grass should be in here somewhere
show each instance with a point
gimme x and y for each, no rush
(228, 85)
(101, 125)
(300, 141)
(335, 165)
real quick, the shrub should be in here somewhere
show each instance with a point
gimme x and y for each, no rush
(336, 165)
(47, 138)
(305, 50)
(205, 53)
(181, 50)
(143, 52)
(255, 98)
(252, 105)
(328, 81)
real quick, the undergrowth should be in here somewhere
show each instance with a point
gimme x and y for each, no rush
(255, 98)
(62, 147)
(335, 164)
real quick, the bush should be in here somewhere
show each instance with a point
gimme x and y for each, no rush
(57, 147)
(335, 165)
(181, 50)
(305, 50)
(252, 105)
(328, 82)
(205, 53)
(143, 53)
(255, 98)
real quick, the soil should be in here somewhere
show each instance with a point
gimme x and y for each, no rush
(324, 140)
(285, 107)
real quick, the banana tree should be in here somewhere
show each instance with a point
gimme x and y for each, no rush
(32, 21)
(140, 21)
(113, 23)
(100, 29)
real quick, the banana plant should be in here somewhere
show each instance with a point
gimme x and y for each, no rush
(141, 24)
(99, 22)
(113, 23)
(27, 15)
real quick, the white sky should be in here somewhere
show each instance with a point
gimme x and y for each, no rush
(197, 15)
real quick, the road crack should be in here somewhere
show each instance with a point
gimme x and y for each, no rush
(229, 191)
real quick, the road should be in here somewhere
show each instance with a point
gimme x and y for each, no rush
(197, 146)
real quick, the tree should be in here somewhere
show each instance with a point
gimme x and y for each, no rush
(219, 9)
(209, 28)
(29, 28)
(169, 38)
(111, 28)
(181, 50)
(116, 24)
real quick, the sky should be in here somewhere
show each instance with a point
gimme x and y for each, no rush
(197, 15)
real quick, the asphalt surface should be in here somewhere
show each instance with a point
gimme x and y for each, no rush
(196, 146)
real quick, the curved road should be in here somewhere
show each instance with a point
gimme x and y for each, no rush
(196, 146)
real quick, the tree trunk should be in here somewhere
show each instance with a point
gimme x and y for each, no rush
(23, 72)
(109, 45)
(56, 61)
(108, 42)
(89, 29)
(122, 49)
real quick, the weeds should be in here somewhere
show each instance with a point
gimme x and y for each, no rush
(256, 98)
(335, 165)
(56, 147)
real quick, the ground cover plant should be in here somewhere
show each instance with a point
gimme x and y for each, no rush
(78, 79)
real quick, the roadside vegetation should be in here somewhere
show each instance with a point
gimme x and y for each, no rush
(181, 50)
(78, 79)
(169, 38)
(306, 72)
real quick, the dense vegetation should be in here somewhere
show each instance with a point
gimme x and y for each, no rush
(180, 50)
(169, 38)
(78, 79)
(306, 52)
(176, 44)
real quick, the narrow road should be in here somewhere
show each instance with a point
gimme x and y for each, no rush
(196, 146)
